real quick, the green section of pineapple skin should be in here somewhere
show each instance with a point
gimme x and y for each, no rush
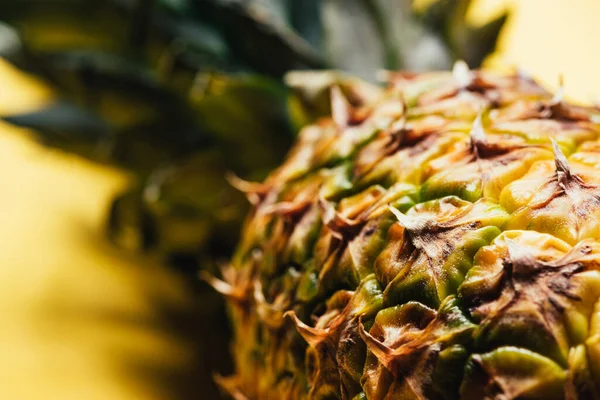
(467, 306)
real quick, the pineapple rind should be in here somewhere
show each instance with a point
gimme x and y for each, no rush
(442, 242)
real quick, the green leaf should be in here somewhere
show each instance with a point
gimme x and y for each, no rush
(409, 44)
(248, 116)
(129, 223)
(63, 122)
(247, 30)
(353, 39)
(482, 41)
(306, 19)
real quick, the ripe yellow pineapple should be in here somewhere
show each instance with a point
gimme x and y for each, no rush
(442, 242)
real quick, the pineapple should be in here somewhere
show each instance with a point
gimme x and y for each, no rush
(439, 242)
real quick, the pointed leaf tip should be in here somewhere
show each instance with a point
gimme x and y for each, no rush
(560, 160)
(397, 213)
(560, 93)
(288, 208)
(328, 210)
(254, 191)
(477, 133)
(259, 297)
(220, 286)
(407, 222)
(312, 336)
(267, 313)
(461, 73)
(340, 107)
(383, 353)
(337, 223)
(230, 385)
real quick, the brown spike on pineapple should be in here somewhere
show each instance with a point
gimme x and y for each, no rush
(442, 247)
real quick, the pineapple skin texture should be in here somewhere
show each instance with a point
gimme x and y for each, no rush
(442, 242)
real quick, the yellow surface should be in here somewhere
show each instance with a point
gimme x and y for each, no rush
(77, 313)
(548, 38)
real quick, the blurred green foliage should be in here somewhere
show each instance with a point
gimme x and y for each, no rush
(181, 92)
(180, 88)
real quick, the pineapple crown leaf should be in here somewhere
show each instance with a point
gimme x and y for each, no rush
(481, 41)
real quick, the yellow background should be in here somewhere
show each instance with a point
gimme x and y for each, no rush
(76, 311)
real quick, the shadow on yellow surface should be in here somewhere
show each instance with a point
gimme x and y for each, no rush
(81, 319)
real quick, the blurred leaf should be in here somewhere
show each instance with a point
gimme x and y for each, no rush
(311, 93)
(51, 24)
(179, 187)
(11, 45)
(278, 11)
(440, 12)
(141, 21)
(63, 122)
(410, 45)
(482, 41)
(179, 217)
(175, 80)
(306, 19)
(89, 65)
(129, 225)
(145, 146)
(352, 37)
(247, 31)
(197, 36)
(448, 19)
(248, 115)
(363, 36)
